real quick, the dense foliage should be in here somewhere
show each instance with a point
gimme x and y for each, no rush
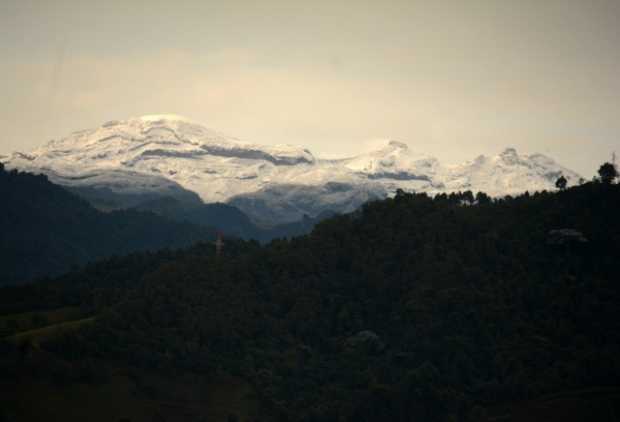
(413, 308)
(227, 219)
(45, 230)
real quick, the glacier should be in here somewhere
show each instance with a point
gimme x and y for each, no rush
(168, 155)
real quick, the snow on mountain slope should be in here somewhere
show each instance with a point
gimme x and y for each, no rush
(165, 148)
(291, 202)
(508, 173)
(160, 154)
(394, 161)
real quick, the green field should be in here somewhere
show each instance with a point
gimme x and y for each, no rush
(40, 335)
(40, 326)
(12, 324)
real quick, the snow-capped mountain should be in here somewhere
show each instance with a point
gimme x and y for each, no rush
(167, 155)
(508, 173)
(394, 161)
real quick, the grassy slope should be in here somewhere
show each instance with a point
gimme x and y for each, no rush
(14, 323)
(40, 335)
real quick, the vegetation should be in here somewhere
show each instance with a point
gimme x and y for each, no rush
(608, 173)
(14, 323)
(47, 333)
(227, 219)
(561, 183)
(45, 230)
(451, 308)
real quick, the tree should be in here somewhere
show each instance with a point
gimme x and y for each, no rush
(482, 198)
(400, 193)
(561, 183)
(608, 173)
(39, 320)
(468, 197)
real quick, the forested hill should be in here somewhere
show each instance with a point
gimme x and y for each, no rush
(45, 230)
(227, 219)
(413, 308)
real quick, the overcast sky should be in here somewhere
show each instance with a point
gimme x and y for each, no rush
(451, 78)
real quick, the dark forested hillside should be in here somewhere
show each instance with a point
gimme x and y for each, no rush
(413, 308)
(45, 230)
(227, 219)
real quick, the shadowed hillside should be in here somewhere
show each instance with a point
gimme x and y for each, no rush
(454, 308)
(45, 230)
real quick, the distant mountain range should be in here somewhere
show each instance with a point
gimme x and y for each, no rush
(125, 164)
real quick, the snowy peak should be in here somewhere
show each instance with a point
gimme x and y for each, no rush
(393, 146)
(200, 159)
(145, 138)
(510, 156)
(163, 153)
(394, 160)
(508, 173)
(509, 152)
(164, 118)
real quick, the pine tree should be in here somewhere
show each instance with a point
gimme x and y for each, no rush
(561, 183)
(608, 173)
(483, 198)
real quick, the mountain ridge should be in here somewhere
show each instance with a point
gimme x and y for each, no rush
(159, 153)
(45, 230)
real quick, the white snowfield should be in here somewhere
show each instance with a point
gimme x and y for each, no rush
(271, 183)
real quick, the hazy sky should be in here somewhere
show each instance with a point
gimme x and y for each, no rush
(451, 78)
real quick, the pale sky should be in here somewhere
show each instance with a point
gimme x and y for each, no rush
(454, 79)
